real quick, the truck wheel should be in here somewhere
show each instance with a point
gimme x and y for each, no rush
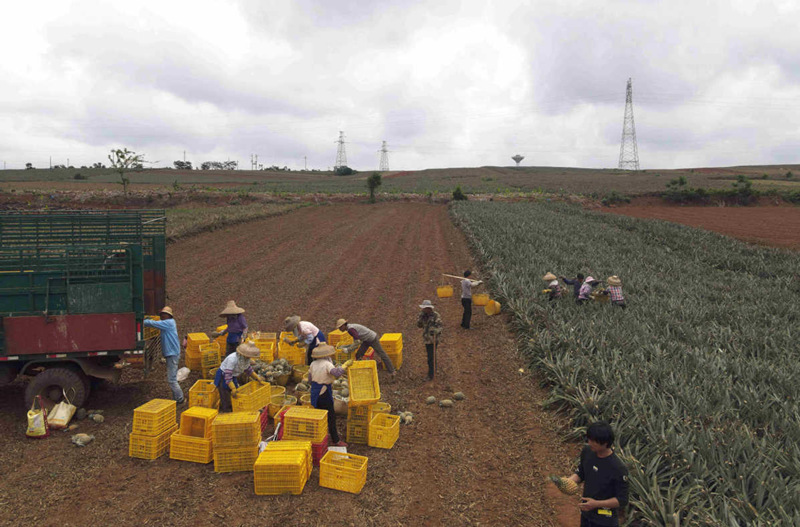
(53, 381)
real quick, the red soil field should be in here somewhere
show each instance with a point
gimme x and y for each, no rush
(774, 226)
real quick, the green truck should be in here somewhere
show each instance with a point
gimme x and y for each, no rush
(75, 287)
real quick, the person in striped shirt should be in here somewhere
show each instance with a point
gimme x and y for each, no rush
(614, 290)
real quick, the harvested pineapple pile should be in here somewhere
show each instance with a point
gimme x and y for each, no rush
(271, 371)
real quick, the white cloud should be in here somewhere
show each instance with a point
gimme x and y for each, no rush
(445, 83)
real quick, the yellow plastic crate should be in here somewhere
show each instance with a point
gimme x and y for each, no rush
(280, 472)
(196, 422)
(294, 355)
(444, 291)
(236, 430)
(358, 418)
(150, 333)
(339, 338)
(266, 349)
(381, 408)
(251, 397)
(396, 358)
(210, 355)
(188, 448)
(310, 424)
(194, 341)
(294, 445)
(384, 429)
(150, 447)
(392, 342)
(204, 393)
(345, 472)
(263, 335)
(362, 379)
(239, 459)
(480, 299)
(153, 417)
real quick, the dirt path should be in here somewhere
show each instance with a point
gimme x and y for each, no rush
(482, 462)
(775, 226)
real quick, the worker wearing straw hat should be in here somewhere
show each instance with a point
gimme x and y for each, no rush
(237, 327)
(321, 375)
(305, 332)
(431, 323)
(364, 338)
(553, 287)
(614, 290)
(227, 378)
(170, 348)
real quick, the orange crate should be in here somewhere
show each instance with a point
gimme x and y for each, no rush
(251, 397)
(345, 472)
(280, 472)
(196, 422)
(362, 380)
(384, 429)
(239, 459)
(204, 393)
(150, 447)
(152, 418)
(237, 429)
(309, 424)
(188, 448)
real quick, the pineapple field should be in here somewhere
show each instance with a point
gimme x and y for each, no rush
(699, 376)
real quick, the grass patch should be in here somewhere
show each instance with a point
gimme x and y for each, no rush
(188, 222)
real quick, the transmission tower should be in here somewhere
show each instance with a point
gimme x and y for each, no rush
(628, 151)
(384, 158)
(341, 155)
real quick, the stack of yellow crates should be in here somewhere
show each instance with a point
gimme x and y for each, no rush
(359, 419)
(294, 355)
(339, 338)
(209, 358)
(392, 344)
(204, 393)
(236, 437)
(267, 349)
(193, 356)
(364, 402)
(280, 472)
(153, 424)
(193, 441)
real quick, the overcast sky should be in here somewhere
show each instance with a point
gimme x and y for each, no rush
(445, 83)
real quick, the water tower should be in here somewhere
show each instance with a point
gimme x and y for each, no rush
(518, 158)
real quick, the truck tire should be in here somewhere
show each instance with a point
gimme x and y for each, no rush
(53, 381)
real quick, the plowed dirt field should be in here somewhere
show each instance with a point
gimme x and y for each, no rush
(482, 462)
(775, 226)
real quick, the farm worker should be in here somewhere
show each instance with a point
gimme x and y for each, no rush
(304, 331)
(321, 375)
(614, 289)
(553, 288)
(466, 298)
(576, 284)
(431, 323)
(227, 378)
(237, 327)
(586, 289)
(605, 478)
(170, 348)
(364, 338)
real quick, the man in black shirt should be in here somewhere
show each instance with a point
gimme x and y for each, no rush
(605, 478)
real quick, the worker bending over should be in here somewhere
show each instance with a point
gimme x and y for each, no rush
(227, 377)
(364, 338)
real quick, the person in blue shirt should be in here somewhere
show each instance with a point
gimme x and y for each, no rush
(170, 348)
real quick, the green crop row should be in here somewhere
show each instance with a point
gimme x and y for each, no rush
(699, 375)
